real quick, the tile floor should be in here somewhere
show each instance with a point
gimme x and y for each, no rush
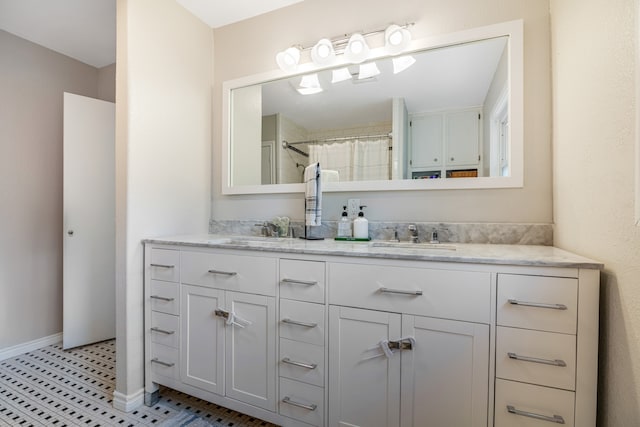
(53, 387)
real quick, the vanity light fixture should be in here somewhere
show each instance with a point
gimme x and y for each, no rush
(401, 63)
(288, 59)
(357, 49)
(354, 47)
(396, 39)
(368, 71)
(340, 75)
(323, 53)
(309, 85)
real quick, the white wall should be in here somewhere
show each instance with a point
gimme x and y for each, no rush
(163, 155)
(594, 45)
(249, 47)
(32, 82)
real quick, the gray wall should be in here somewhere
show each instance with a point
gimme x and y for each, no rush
(32, 81)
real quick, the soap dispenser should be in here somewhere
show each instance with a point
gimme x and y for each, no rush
(361, 226)
(344, 226)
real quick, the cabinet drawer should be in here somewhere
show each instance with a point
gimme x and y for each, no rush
(536, 357)
(241, 273)
(460, 295)
(165, 297)
(164, 361)
(165, 329)
(537, 302)
(302, 280)
(533, 405)
(165, 265)
(302, 321)
(302, 402)
(302, 362)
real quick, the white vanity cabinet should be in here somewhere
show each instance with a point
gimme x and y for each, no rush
(301, 337)
(390, 363)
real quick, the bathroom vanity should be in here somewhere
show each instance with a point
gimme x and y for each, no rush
(325, 333)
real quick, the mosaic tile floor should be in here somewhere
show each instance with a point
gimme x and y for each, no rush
(53, 387)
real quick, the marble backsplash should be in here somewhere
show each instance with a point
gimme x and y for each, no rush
(493, 233)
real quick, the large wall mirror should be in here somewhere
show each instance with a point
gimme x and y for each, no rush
(452, 119)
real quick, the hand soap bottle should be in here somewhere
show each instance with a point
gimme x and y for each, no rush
(361, 226)
(344, 226)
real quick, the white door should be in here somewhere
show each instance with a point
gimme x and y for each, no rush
(88, 221)
(251, 350)
(463, 138)
(364, 385)
(445, 378)
(202, 336)
(426, 141)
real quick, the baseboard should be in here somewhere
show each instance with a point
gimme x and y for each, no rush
(17, 350)
(128, 403)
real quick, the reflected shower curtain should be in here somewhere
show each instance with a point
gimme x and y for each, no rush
(337, 157)
(358, 160)
(371, 160)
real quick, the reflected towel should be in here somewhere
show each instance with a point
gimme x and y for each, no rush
(313, 194)
(329, 176)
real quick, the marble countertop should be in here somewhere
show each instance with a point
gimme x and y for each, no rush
(527, 255)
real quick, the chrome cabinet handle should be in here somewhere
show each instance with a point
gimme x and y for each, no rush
(299, 282)
(555, 362)
(399, 291)
(288, 401)
(160, 362)
(538, 304)
(300, 364)
(553, 419)
(226, 273)
(299, 323)
(163, 265)
(161, 298)
(162, 331)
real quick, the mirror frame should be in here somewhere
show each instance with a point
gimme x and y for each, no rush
(512, 29)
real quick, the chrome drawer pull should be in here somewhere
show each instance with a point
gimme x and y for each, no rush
(554, 419)
(299, 282)
(399, 291)
(538, 304)
(288, 401)
(162, 331)
(163, 265)
(161, 298)
(300, 364)
(160, 362)
(226, 273)
(299, 323)
(556, 362)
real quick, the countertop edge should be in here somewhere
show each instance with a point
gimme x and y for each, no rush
(516, 255)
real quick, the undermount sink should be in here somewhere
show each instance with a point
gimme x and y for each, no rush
(409, 245)
(247, 241)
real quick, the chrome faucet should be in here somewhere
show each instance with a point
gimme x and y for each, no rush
(269, 229)
(434, 236)
(413, 233)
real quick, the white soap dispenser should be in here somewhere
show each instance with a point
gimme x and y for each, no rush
(344, 226)
(361, 226)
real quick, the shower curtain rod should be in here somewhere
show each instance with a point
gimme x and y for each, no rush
(286, 144)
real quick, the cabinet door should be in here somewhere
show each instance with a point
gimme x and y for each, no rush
(364, 384)
(202, 336)
(445, 378)
(251, 350)
(426, 141)
(462, 138)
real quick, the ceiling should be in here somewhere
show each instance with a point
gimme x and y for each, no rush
(86, 29)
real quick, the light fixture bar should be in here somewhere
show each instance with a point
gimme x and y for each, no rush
(342, 40)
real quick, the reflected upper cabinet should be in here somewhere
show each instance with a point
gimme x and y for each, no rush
(446, 114)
